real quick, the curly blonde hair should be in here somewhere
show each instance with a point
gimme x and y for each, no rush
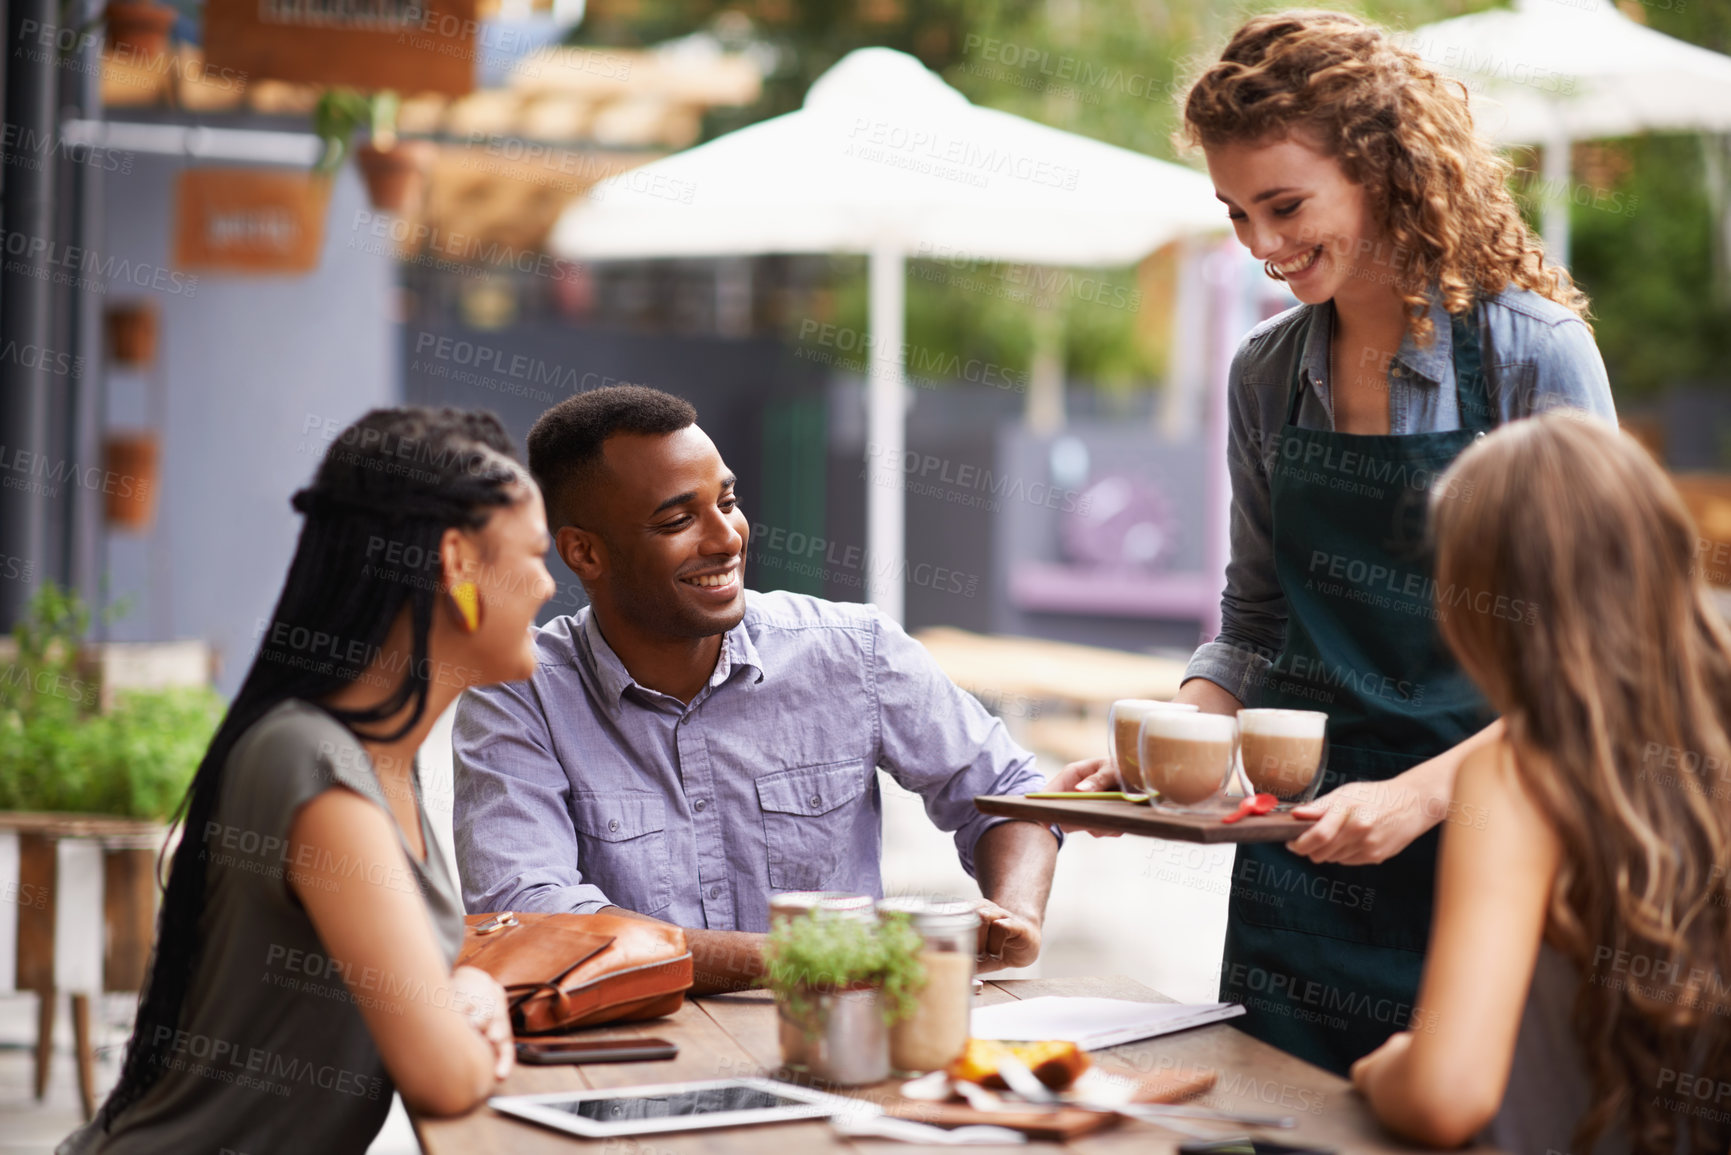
(1398, 129)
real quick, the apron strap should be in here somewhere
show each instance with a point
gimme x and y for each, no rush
(1472, 391)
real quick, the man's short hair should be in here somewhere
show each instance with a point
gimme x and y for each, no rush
(565, 444)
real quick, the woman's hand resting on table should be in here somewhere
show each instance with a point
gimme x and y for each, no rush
(478, 995)
(1365, 1070)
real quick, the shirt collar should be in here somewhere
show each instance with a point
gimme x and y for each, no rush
(610, 673)
(1433, 363)
(1313, 358)
(737, 652)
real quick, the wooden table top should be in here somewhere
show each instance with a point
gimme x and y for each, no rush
(728, 1036)
(1135, 818)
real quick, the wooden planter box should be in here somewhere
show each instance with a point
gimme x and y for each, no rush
(117, 666)
(78, 893)
(79, 917)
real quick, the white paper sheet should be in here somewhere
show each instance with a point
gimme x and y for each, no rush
(1094, 1023)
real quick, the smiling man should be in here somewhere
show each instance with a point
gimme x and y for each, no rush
(688, 748)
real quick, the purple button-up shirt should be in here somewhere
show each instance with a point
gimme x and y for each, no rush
(578, 788)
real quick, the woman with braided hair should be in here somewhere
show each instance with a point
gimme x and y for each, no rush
(1428, 315)
(304, 953)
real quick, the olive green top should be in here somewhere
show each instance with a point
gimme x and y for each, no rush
(272, 1053)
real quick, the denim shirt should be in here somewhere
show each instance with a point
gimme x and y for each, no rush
(1538, 355)
(578, 788)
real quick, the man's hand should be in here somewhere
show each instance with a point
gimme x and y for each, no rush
(1007, 939)
(1088, 774)
(1013, 861)
(1368, 822)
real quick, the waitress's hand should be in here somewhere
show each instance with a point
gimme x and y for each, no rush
(1368, 822)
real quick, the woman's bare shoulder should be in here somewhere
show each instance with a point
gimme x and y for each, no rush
(1491, 795)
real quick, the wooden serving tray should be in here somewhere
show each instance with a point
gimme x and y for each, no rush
(1060, 1123)
(1136, 818)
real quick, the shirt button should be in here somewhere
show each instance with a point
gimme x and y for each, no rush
(700, 805)
(613, 825)
(816, 800)
(715, 892)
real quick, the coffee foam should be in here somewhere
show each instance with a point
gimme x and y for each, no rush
(1137, 707)
(1195, 727)
(1283, 723)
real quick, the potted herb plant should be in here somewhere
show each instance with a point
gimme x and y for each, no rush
(393, 169)
(840, 984)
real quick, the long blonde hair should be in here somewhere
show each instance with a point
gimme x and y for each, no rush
(1615, 686)
(1398, 129)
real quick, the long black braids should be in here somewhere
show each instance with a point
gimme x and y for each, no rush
(388, 488)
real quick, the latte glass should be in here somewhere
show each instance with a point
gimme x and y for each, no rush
(1187, 758)
(1125, 724)
(1283, 752)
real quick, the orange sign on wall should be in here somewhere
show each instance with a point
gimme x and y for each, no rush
(246, 220)
(407, 45)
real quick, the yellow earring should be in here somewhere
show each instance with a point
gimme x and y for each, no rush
(467, 598)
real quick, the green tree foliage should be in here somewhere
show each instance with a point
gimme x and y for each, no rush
(1114, 70)
(1643, 251)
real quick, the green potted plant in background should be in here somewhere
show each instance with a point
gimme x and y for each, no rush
(59, 752)
(394, 169)
(840, 984)
(92, 765)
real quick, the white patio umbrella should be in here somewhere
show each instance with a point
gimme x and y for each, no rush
(1550, 72)
(886, 159)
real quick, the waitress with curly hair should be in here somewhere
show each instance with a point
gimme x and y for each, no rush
(1428, 316)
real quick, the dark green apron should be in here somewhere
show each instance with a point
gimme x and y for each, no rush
(1326, 958)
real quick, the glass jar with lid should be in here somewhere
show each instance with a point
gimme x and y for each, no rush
(937, 1032)
(784, 908)
(845, 1042)
(794, 903)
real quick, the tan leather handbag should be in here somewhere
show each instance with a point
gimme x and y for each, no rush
(564, 971)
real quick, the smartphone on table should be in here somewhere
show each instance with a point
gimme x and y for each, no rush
(550, 1051)
(1244, 1145)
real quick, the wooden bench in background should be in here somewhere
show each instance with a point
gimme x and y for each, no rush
(1053, 695)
